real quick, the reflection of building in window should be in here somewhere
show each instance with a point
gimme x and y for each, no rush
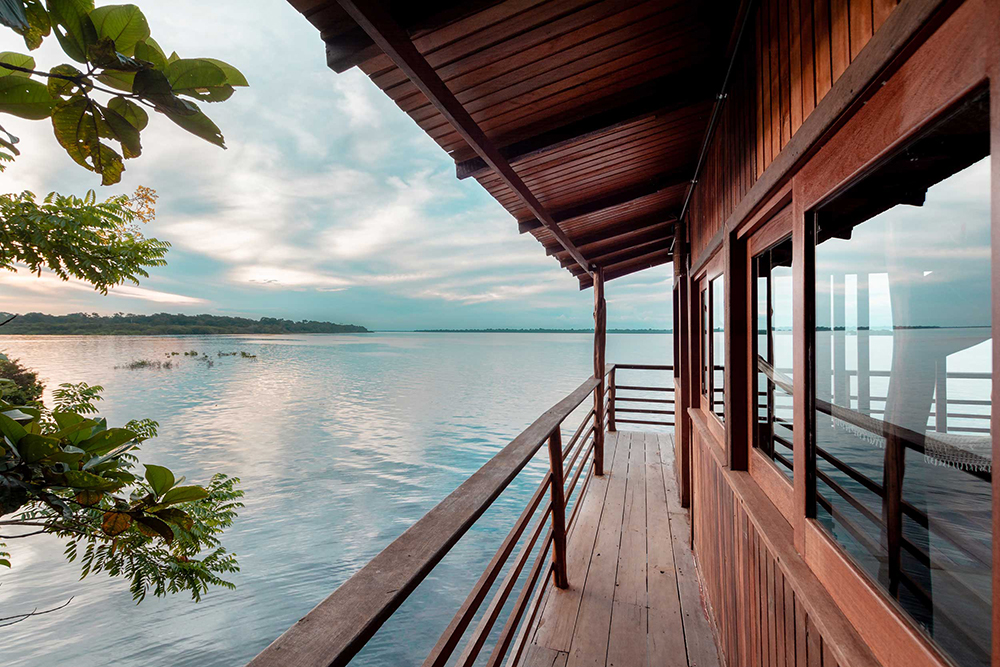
(773, 353)
(717, 295)
(902, 370)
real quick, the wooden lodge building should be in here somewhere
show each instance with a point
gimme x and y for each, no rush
(819, 174)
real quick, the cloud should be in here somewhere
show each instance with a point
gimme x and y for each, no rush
(48, 284)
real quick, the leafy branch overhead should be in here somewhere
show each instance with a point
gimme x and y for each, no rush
(98, 106)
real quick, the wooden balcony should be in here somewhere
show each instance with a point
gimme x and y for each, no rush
(633, 596)
(600, 553)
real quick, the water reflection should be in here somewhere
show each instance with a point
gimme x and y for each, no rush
(341, 443)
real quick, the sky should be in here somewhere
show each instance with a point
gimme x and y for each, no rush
(329, 204)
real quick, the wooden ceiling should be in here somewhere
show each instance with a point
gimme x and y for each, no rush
(583, 118)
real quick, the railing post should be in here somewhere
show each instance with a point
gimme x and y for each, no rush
(941, 396)
(558, 510)
(600, 335)
(611, 403)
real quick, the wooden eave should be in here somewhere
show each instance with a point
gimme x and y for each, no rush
(583, 118)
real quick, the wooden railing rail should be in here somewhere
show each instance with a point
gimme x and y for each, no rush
(341, 625)
(652, 405)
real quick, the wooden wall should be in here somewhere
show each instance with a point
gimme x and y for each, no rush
(792, 53)
(761, 619)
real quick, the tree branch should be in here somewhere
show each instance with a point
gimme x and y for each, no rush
(17, 618)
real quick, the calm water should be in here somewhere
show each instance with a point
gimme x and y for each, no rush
(341, 443)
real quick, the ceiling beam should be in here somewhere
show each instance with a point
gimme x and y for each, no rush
(623, 196)
(596, 252)
(616, 229)
(395, 43)
(631, 266)
(626, 254)
(654, 98)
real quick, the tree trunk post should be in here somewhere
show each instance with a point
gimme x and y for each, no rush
(600, 335)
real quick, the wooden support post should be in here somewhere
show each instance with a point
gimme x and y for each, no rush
(558, 510)
(600, 337)
(941, 395)
(611, 403)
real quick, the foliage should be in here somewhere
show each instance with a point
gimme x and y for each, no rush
(115, 56)
(98, 242)
(162, 324)
(22, 386)
(68, 473)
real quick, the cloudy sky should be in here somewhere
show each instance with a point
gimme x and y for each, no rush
(329, 204)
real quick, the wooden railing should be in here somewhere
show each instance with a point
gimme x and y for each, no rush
(655, 410)
(341, 625)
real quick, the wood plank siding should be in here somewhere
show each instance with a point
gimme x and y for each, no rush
(798, 50)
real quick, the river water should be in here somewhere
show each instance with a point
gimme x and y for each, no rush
(341, 443)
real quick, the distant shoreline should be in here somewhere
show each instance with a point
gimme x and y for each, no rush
(575, 331)
(163, 324)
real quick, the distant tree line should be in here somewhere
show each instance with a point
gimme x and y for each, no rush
(163, 324)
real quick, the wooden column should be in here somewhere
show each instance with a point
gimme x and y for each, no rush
(558, 511)
(600, 338)
(739, 407)
(683, 398)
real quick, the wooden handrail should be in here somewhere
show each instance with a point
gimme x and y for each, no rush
(336, 629)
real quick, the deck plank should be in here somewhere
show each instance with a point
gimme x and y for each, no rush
(634, 596)
(593, 627)
(665, 643)
(558, 616)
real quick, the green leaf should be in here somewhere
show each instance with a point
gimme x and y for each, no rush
(176, 516)
(76, 130)
(19, 415)
(39, 26)
(104, 442)
(12, 14)
(74, 28)
(130, 111)
(159, 478)
(124, 132)
(151, 52)
(25, 98)
(34, 448)
(109, 165)
(61, 87)
(200, 125)
(86, 481)
(117, 79)
(150, 526)
(234, 77)
(104, 55)
(154, 87)
(18, 60)
(125, 25)
(183, 494)
(214, 94)
(11, 429)
(194, 73)
(115, 523)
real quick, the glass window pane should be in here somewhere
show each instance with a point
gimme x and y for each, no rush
(718, 296)
(903, 349)
(705, 347)
(773, 353)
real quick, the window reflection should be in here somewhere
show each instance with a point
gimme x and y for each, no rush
(706, 385)
(903, 359)
(718, 296)
(773, 353)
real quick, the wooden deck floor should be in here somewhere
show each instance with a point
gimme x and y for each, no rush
(634, 597)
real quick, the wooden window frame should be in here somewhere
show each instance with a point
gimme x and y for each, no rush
(703, 282)
(776, 485)
(959, 57)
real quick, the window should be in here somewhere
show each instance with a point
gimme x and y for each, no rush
(903, 358)
(706, 383)
(772, 285)
(717, 293)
